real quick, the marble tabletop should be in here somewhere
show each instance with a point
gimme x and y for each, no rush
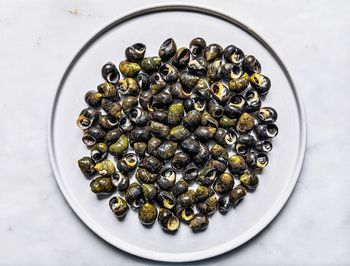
(39, 38)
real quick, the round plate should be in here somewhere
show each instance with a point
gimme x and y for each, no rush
(152, 26)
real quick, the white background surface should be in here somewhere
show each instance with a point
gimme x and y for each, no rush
(38, 39)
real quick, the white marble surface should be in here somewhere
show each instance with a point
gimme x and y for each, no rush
(39, 38)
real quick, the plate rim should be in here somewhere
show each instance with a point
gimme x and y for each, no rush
(191, 256)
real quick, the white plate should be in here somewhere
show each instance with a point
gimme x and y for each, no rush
(152, 26)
